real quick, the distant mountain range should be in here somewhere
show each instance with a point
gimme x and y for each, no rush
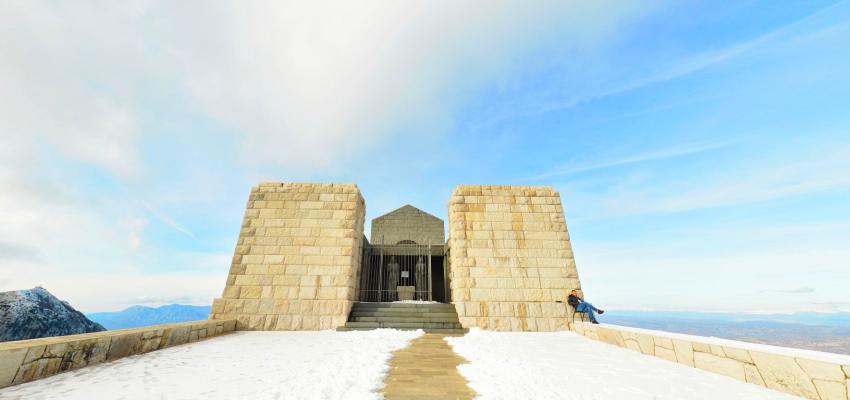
(35, 313)
(813, 331)
(138, 316)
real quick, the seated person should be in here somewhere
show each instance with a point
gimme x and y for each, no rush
(582, 306)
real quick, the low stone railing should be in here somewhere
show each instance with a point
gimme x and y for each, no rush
(805, 373)
(27, 360)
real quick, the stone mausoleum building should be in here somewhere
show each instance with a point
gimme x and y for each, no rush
(303, 262)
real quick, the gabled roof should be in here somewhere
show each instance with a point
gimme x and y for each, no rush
(407, 210)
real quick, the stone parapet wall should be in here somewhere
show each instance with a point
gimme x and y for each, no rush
(808, 374)
(297, 258)
(27, 360)
(511, 258)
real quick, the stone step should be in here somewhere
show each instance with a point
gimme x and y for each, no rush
(356, 313)
(427, 330)
(390, 306)
(404, 319)
(400, 325)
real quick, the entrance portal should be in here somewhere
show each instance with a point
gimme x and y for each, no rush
(406, 258)
(403, 271)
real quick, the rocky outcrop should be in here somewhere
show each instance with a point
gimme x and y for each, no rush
(35, 313)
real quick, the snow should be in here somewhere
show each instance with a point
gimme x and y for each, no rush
(764, 348)
(568, 366)
(353, 365)
(242, 365)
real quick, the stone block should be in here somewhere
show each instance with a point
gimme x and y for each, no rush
(738, 354)
(646, 344)
(665, 353)
(821, 370)
(611, 336)
(684, 352)
(784, 374)
(10, 361)
(752, 375)
(124, 345)
(632, 344)
(34, 353)
(720, 365)
(830, 390)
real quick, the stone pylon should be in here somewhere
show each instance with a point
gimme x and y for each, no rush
(297, 258)
(511, 258)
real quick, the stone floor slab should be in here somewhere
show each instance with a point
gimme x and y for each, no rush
(427, 369)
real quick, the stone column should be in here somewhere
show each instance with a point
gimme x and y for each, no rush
(511, 258)
(297, 258)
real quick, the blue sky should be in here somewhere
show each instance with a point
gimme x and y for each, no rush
(701, 148)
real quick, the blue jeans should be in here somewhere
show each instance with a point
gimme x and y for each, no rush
(588, 308)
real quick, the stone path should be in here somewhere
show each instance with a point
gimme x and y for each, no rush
(427, 369)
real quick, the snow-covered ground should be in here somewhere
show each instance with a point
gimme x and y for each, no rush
(243, 365)
(567, 366)
(352, 365)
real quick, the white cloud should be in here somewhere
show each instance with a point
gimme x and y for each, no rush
(66, 76)
(310, 83)
(134, 227)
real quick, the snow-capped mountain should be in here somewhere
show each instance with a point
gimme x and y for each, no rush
(35, 313)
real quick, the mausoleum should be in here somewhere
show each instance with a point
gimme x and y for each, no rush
(302, 260)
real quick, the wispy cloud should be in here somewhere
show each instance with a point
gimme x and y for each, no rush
(11, 251)
(690, 148)
(168, 300)
(804, 289)
(668, 71)
(168, 220)
(815, 174)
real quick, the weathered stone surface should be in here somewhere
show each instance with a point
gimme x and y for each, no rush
(646, 343)
(10, 360)
(611, 336)
(27, 360)
(752, 374)
(782, 373)
(737, 354)
(801, 377)
(684, 352)
(632, 344)
(300, 244)
(719, 365)
(830, 390)
(821, 370)
(665, 353)
(408, 223)
(509, 244)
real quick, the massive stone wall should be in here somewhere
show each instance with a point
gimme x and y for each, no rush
(511, 258)
(27, 360)
(408, 223)
(296, 262)
(808, 374)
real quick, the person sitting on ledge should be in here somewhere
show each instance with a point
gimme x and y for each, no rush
(582, 306)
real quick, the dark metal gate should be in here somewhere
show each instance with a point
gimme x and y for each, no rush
(398, 272)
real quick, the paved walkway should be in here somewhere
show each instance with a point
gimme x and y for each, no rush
(427, 369)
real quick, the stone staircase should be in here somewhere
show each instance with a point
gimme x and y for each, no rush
(432, 317)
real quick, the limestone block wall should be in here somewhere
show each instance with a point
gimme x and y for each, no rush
(809, 374)
(511, 258)
(296, 261)
(408, 223)
(27, 360)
